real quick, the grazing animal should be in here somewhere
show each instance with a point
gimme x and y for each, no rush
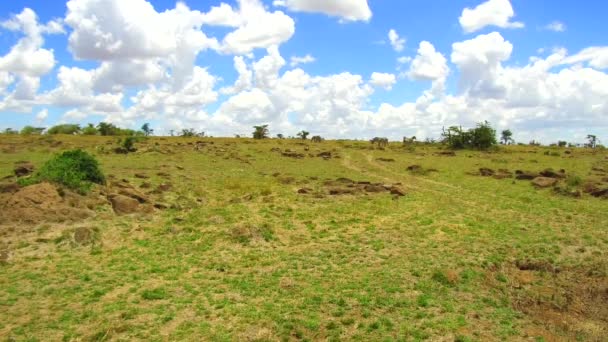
(382, 142)
(316, 139)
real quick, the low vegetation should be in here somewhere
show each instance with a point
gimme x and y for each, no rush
(76, 170)
(241, 239)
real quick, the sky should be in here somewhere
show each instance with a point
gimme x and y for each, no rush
(336, 68)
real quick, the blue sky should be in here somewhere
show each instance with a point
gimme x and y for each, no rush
(537, 67)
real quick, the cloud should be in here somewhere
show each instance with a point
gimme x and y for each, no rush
(397, 43)
(596, 56)
(428, 64)
(255, 27)
(295, 60)
(556, 26)
(350, 10)
(479, 60)
(490, 13)
(42, 115)
(383, 80)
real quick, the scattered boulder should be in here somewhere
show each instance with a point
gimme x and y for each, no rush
(502, 174)
(123, 204)
(305, 191)
(141, 176)
(544, 182)
(325, 155)
(163, 174)
(414, 168)
(23, 169)
(447, 153)
(374, 188)
(486, 172)
(292, 154)
(525, 175)
(386, 160)
(552, 174)
(146, 185)
(397, 191)
(342, 191)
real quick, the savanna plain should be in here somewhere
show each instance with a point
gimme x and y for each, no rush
(226, 239)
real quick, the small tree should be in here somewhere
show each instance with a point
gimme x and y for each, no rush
(10, 131)
(147, 130)
(107, 129)
(506, 137)
(188, 132)
(562, 143)
(483, 136)
(280, 136)
(303, 135)
(90, 130)
(261, 132)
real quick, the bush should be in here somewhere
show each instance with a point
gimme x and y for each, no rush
(64, 129)
(481, 137)
(76, 169)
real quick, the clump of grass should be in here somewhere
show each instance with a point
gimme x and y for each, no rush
(75, 169)
(154, 294)
(574, 181)
(244, 233)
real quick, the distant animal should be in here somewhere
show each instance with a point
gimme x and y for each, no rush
(381, 142)
(316, 138)
(407, 140)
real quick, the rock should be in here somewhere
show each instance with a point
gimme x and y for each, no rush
(486, 172)
(24, 169)
(324, 155)
(387, 160)
(9, 188)
(374, 188)
(123, 204)
(146, 185)
(397, 191)
(552, 174)
(544, 182)
(414, 168)
(344, 180)
(130, 192)
(341, 191)
(163, 174)
(525, 175)
(447, 153)
(305, 191)
(141, 176)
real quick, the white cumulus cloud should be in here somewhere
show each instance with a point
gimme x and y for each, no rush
(384, 80)
(490, 13)
(397, 43)
(351, 10)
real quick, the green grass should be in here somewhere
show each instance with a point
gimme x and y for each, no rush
(243, 256)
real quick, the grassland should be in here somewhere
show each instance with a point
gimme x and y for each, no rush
(240, 255)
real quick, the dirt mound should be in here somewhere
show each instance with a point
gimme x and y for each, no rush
(123, 204)
(573, 305)
(525, 175)
(549, 173)
(596, 189)
(23, 169)
(346, 186)
(544, 182)
(40, 203)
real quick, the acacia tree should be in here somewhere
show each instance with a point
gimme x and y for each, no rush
(506, 136)
(147, 130)
(303, 135)
(261, 132)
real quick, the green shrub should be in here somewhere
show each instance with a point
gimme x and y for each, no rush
(76, 169)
